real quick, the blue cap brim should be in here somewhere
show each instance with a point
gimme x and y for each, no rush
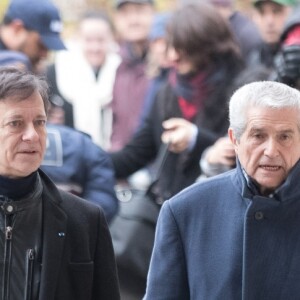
(52, 42)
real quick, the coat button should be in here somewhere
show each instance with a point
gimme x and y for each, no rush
(259, 215)
(8, 208)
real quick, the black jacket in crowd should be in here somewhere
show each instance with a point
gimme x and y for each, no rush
(55, 246)
(180, 170)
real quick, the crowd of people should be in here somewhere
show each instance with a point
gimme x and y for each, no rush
(218, 86)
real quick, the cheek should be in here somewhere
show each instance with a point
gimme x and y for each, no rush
(292, 157)
(249, 154)
(43, 139)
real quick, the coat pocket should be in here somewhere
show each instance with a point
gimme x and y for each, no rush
(82, 278)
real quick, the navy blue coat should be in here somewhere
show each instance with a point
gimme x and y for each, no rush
(218, 240)
(79, 166)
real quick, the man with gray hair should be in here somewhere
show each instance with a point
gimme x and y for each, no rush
(236, 235)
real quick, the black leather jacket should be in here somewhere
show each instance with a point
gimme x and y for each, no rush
(20, 245)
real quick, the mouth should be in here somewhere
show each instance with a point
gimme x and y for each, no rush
(270, 168)
(28, 152)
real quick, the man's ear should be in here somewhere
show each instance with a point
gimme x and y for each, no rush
(232, 137)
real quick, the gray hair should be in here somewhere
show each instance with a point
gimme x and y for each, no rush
(19, 85)
(267, 94)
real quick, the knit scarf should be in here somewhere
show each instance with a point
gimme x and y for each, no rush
(191, 90)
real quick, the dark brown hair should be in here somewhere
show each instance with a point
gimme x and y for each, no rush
(19, 85)
(200, 33)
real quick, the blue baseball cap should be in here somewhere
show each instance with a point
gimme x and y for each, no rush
(41, 16)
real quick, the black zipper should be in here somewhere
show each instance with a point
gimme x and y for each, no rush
(29, 273)
(7, 257)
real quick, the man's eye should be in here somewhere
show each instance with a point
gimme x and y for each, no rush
(40, 123)
(15, 124)
(258, 136)
(284, 137)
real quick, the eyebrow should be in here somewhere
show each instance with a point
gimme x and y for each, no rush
(258, 129)
(18, 116)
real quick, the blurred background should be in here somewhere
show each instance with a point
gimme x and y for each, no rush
(70, 9)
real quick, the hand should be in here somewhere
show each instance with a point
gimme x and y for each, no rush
(221, 152)
(287, 64)
(178, 134)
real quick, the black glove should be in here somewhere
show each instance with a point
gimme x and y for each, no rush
(287, 64)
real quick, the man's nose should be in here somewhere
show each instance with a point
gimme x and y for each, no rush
(30, 133)
(271, 148)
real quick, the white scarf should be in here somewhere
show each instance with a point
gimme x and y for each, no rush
(89, 96)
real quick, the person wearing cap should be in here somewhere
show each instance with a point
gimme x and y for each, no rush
(33, 28)
(133, 20)
(270, 17)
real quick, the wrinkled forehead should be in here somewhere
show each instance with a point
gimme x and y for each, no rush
(284, 118)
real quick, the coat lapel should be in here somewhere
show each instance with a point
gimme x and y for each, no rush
(54, 233)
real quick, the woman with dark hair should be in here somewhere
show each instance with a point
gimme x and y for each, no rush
(190, 110)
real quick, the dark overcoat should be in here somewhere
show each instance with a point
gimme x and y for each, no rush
(78, 260)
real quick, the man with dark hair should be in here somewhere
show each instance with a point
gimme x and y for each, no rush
(33, 28)
(53, 245)
(270, 17)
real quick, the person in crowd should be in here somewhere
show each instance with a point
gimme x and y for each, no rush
(189, 110)
(234, 236)
(79, 166)
(244, 29)
(82, 78)
(50, 238)
(287, 62)
(33, 28)
(158, 63)
(133, 20)
(270, 17)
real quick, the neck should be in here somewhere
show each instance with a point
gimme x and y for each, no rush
(17, 188)
(139, 48)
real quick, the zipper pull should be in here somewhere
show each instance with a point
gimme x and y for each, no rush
(8, 232)
(31, 254)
